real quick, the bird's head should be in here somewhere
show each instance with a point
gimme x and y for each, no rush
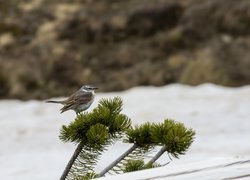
(88, 88)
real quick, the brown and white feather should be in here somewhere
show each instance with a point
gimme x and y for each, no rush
(80, 101)
(78, 98)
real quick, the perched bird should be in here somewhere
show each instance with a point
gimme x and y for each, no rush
(80, 101)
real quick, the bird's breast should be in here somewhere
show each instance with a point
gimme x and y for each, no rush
(83, 107)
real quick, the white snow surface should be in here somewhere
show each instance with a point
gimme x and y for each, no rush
(30, 147)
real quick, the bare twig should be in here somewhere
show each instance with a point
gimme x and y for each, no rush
(114, 163)
(159, 154)
(71, 161)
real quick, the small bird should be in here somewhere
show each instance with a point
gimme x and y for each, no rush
(79, 101)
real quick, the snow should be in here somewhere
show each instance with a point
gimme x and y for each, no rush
(218, 168)
(30, 147)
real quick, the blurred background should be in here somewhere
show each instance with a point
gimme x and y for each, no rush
(51, 48)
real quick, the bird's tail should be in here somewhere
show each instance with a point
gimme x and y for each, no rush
(59, 102)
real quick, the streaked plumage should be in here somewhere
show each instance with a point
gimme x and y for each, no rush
(80, 101)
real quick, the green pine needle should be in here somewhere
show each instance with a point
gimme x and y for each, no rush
(136, 165)
(97, 135)
(107, 113)
(133, 165)
(174, 135)
(139, 134)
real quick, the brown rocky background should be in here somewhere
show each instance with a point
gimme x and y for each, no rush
(50, 48)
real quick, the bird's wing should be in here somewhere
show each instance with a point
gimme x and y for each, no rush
(76, 99)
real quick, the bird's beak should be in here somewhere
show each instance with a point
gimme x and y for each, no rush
(94, 88)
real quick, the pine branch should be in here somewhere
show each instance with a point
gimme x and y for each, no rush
(139, 135)
(96, 130)
(114, 163)
(71, 161)
(174, 135)
(138, 154)
(157, 156)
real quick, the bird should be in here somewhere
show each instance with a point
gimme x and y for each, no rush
(79, 101)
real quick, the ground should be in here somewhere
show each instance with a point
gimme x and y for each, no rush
(31, 149)
(116, 45)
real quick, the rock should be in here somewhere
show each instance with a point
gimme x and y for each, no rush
(6, 40)
(203, 68)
